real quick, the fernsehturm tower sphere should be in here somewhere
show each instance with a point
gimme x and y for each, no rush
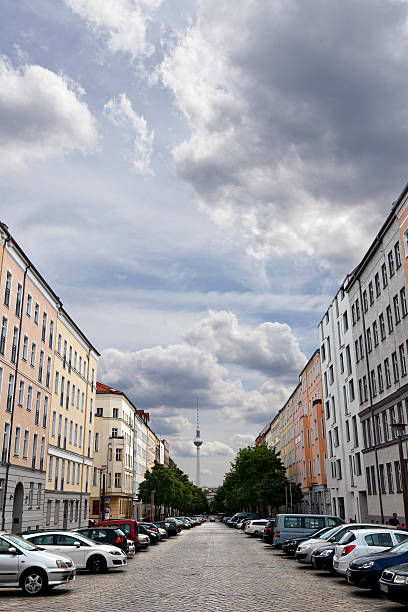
(198, 442)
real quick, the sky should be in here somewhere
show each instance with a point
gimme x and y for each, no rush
(194, 178)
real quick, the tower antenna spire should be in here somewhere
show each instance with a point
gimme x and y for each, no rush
(198, 442)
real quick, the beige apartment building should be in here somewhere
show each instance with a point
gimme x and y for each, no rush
(28, 315)
(71, 438)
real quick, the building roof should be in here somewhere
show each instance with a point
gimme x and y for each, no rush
(101, 388)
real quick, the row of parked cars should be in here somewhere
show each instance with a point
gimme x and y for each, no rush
(369, 556)
(43, 559)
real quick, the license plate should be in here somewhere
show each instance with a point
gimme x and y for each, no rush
(384, 587)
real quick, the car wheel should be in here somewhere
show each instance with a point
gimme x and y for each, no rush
(34, 582)
(96, 564)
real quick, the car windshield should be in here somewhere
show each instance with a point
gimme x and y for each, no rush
(399, 548)
(330, 533)
(21, 542)
(85, 539)
(319, 532)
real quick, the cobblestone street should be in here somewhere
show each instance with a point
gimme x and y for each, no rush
(209, 568)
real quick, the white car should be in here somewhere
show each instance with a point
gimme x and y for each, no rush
(363, 542)
(85, 553)
(255, 527)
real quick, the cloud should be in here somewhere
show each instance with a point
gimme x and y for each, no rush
(170, 426)
(120, 112)
(242, 441)
(186, 448)
(166, 380)
(297, 138)
(41, 116)
(123, 22)
(269, 348)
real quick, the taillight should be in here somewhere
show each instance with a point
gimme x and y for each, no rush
(277, 534)
(119, 540)
(347, 550)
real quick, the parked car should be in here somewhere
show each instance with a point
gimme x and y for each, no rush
(304, 551)
(169, 526)
(154, 536)
(152, 527)
(268, 531)
(129, 528)
(365, 571)
(106, 535)
(24, 565)
(288, 526)
(186, 524)
(254, 527)
(394, 583)
(322, 557)
(239, 516)
(212, 519)
(358, 542)
(85, 553)
(290, 546)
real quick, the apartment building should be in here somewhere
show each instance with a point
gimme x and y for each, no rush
(71, 439)
(28, 311)
(377, 293)
(311, 432)
(345, 461)
(140, 461)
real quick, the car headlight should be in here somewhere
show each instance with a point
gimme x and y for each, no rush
(366, 565)
(400, 579)
(325, 553)
(115, 552)
(62, 564)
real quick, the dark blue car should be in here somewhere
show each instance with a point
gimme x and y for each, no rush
(365, 572)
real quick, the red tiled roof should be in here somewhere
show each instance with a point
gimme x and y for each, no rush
(101, 388)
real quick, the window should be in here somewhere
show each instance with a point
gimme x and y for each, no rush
(25, 443)
(59, 344)
(118, 479)
(118, 454)
(357, 350)
(115, 413)
(395, 366)
(19, 297)
(377, 284)
(91, 411)
(373, 383)
(385, 425)
(397, 472)
(384, 275)
(371, 292)
(114, 432)
(71, 429)
(380, 379)
(351, 390)
(365, 301)
(45, 412)
(382, 326)
(73, 396)
(36, 313)
(62, 391)
(29, 305)
(17, 441)
(7, 288)
(381, 483)
(33, 354)
(379, 539)
(44, 327)
(3, 336)
(396, 310)
(96, 446)
(21, 393)
(389, 319)
(41, 366)
(345, 322)
(25, 348)
(37, 408)
(373, 480)
(348, 359)
(10, 392)
(29, 397)
(403, 302)
(369, 341)
(402, 360)
(48, 373)
(387, 372)
(99, 412)
(390, 478)
(51, 336)
(375, 333)
(391, 266)
(80, 436)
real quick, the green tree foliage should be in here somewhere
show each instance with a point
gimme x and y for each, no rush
(256, 480)
(173, 490)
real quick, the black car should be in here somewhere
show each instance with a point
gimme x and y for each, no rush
(153, 535)
(169, 526)
(322, 557)
(394, 583)
(366, 571)
(268, 531)
(290, 546)
(106, 535)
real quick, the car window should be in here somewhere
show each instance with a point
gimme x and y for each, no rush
(332, 532)
(64, 540)
(332, 520)
(401, 537)
(314, 522)
(21, 542)
(97, 534)
(125, 527)
(337, 537)
(4, 546)
(293, 522)
(84, 532)
(379, 539)
(347, 538)
(43, 540)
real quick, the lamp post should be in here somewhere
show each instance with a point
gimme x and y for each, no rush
(399, 429)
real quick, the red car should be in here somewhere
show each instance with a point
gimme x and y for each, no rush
(128, 526)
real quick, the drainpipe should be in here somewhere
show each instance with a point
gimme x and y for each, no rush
(371, 404)
(20, 327)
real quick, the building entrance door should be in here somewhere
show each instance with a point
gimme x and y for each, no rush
(65, 521)
(18, 508)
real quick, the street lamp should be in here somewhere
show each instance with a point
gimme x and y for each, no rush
(399, 429)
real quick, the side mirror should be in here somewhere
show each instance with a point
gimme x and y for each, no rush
(12, 550)
(77, 544)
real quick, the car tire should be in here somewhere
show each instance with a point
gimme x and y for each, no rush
(34, 582)
(96, 564)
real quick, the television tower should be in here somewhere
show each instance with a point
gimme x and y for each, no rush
(198, 442)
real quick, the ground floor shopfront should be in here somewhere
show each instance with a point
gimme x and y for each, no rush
(22, 498)
(65, 510)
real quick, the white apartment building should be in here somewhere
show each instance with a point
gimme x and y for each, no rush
(377, 293)
(344, 464)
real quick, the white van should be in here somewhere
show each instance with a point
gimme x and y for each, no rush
(288, 526)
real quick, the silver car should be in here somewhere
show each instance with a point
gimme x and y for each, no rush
(26, 566)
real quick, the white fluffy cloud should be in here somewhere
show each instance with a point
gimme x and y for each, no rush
(285, 141)
(124, 22)
(120, 112)
(41, 116)
(166, 380)
(185, 448)
(242, 441)
(270, 348)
